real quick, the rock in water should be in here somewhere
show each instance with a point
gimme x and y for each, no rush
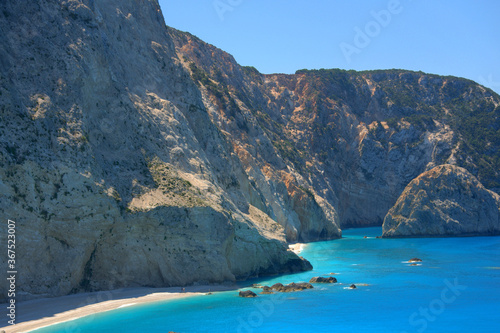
(247, 293)
(291, 287)
(320, 279)
(415, 260)
(353, 286)
(304, 285)
(266, 290)
(445, 201)
(277, 286)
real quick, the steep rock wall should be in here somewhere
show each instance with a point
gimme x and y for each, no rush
(109, 163)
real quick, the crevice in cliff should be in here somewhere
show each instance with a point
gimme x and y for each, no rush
(85, 282)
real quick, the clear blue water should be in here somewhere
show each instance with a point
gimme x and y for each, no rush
(456, 289)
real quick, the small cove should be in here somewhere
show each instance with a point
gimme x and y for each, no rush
(456, 288)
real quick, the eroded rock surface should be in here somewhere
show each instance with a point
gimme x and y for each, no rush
(446, 200)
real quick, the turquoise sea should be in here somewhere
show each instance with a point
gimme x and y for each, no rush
(455, 289)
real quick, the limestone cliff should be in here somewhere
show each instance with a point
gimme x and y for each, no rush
(109, 163)
(353, 140)
(269, 182)
(446, 200)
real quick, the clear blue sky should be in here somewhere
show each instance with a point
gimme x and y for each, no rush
(460, 38)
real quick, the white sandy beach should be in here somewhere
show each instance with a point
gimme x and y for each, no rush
(34, 314)
(49, 311)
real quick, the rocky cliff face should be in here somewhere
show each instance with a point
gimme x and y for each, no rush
(352, 139)
(134, 154)
(109, 162)
(270, 181)
(446, 200)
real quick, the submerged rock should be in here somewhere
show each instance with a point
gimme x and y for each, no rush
(444, 201)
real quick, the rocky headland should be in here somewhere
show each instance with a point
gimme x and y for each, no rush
(444, 201)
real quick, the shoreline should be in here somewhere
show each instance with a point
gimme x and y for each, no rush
(297, 248)
(43, 312)
(39, 313)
